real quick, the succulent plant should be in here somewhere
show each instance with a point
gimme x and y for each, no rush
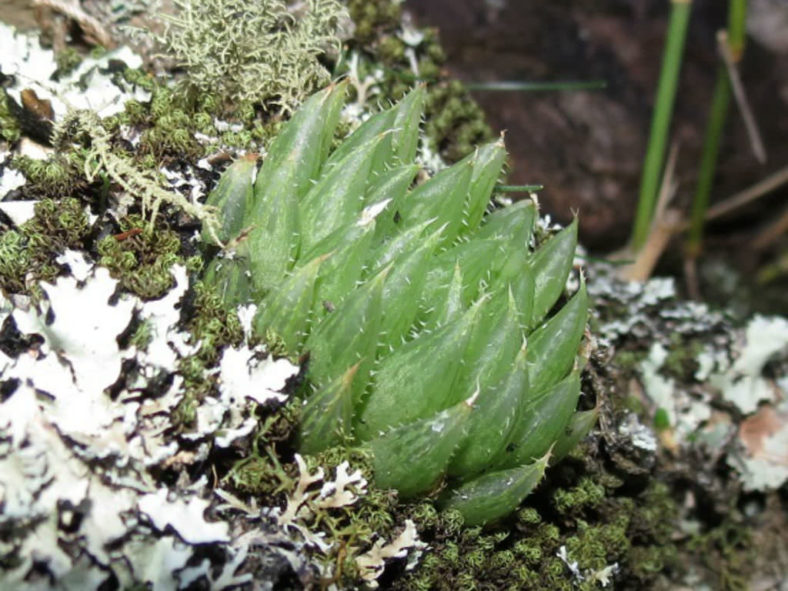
(426, 315)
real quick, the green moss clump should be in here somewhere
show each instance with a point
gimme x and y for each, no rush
(454, 122)
(213, 326)
(58, 175)
(371, 17)
(682, 359)
(15, 261)
(67, 60)
(142, 262)
(597, 524)
(27, 255)
(9, 126)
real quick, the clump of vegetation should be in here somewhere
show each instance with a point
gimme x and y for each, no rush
(58, 174)
(27, 254)
(455, 124)
(414, 306)
(9, 126)
(255, 52)
(581, 519)
(104, 161)
(141, 257)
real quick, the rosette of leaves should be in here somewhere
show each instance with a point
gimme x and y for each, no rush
(435, 332)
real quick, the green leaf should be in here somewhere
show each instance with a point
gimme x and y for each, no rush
(487, 164)
(384, 254)
(441, 198)
(232, 196)
(340, 274)
(579, 426)
(378, 125)
(492, 496)
(347, 336)
(417, 380)
(477, 259)
(550, 266)
(326, 419)
(296, 155)
(402, 290)
(412, 458)
(449, 306)
(552, 347)
(543, 419)
(495, 413)
(493, 344)
(338, 196)
(231, 278)
(514, 222)
(408, 113)
(285, 313)
(393, 186)
(293, 161)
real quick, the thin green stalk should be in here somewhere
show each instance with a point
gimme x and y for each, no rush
(737, 14)
(708, 163)
(515, 85)
(518, 188)
(660, 122)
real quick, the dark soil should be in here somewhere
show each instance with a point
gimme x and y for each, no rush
(587, 147)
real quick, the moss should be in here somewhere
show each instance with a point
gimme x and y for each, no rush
(142, 261)
(579, 507)
(727, 552)
(57, 175)
(143, 335)
(27, 255)
(681, 362)
(212, 324)
(15, 261)
(9, 126)
(67, 60)
(455, 123)
(371, 17)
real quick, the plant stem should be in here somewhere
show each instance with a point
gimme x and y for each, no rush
(737, 13)
(660, 122)
(515, 85)
(518, 188)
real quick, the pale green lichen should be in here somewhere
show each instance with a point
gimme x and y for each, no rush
(260, 52)
(103, 161)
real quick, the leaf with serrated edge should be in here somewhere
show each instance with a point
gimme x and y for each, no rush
(293, 161)
(579, 426)
(403, 287)
(550, 266)
(232, 197)
(491, 496)
(418, 379)
(338, 196)
(412, 458)
(439, 198)
(552, 347)
(347, 335)
(286, 311)
(496, 412)
(542, 420)
(327, 416)
(487, 165)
